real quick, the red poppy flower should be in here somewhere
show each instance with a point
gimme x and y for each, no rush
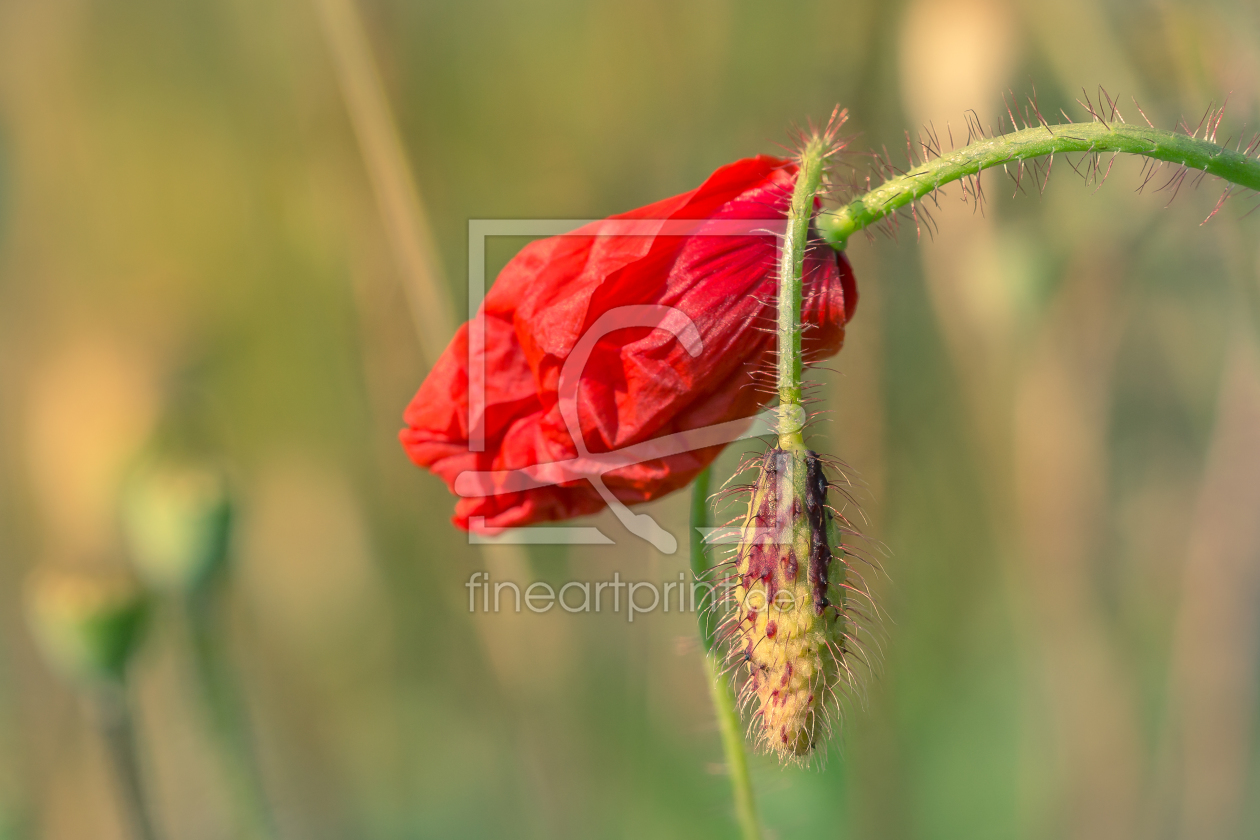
(664, 333)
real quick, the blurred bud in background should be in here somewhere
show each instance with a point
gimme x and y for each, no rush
(88, 625)
(176, 515)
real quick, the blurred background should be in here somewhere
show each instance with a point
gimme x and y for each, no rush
(207, 220)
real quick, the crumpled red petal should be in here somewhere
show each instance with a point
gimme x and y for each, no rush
(639, 383)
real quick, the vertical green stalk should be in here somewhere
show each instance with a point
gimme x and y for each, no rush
(733, 744)
(225, 712)
(700, 555)
(724, 703)
(113, 715)
(791, 269)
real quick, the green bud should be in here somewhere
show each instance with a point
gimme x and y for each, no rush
(176, 518)
(88, 626)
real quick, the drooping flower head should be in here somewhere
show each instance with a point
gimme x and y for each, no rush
(630, 330)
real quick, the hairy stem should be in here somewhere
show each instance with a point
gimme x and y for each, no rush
(724, 704)
(1198, 155)
(791, 266)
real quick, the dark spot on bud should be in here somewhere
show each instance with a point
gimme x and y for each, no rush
(760, 563)
(819, 549)
(772, 628)
(790, 566)
(765, 513)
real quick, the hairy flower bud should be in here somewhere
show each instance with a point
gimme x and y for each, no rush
(790, 632)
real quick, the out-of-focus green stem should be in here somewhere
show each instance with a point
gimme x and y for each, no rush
(113, 716)
(402, 210)
(1198, 155)
(791, 267)
(733, 744)
(724, 702)
(225, 712)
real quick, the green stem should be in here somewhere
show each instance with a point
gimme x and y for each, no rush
(724, 703)
(700, 555)
(791, 267)
(1198, 155)
(226, 715)
(733, 745)
(113, 714)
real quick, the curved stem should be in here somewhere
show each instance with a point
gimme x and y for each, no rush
(791, 266)
(1199, 155)
(724, 704)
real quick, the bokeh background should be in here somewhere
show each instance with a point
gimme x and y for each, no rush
(1054, 404)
